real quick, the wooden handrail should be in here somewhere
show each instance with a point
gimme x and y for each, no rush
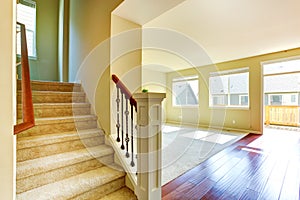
(124, 90)
(27, 105)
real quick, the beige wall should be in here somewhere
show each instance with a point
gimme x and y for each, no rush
(45, 66)
(126, 57)
(89, 52)
(154, 81)
(7, 75)
(247, 119)
(126, 52)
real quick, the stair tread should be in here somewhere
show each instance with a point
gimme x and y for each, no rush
(52, 120)
(67, 173)
(52, 83)
(55, 83)
(121, 194)
(46, 110)
(43, 164)
(73, 186)
(39, 140)
(38, 92)
(65, 117)
(79, 104)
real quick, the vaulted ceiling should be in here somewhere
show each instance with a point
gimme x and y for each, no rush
(226, 30)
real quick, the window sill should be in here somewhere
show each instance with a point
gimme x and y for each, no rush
(228, 108)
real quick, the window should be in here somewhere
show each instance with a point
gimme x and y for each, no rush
(229, 88)
(282, 82)
(293, 98)
(282, 67)
(219, 100)
(185, 91)
(286, 99)
(26, 14)
(276, 99)
(243, 100)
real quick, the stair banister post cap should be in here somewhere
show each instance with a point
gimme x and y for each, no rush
(149, 95)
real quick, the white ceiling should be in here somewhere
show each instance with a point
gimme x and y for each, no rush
(143, 11)
(226, 30)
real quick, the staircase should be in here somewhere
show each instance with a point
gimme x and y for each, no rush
(64, 156)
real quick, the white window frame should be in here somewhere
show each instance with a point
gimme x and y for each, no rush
(32, 54)
(184, 79)
(228, 105)
(240, 98)
(220, 96)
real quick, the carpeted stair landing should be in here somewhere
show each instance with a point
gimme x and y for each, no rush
(64, 156)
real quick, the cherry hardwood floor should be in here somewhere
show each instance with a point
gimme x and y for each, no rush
(256, 167)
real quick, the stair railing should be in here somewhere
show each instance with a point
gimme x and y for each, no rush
(27, 105)
(146, 110)
(123, 94)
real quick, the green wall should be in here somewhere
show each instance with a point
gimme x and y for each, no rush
(45, 65)
(245, 119)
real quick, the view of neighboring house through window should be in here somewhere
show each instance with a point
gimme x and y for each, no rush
(282, 82)
(282, 99)
(26, 14)
(185, 91)
(229, 88)
(244, 100)
(276, 99)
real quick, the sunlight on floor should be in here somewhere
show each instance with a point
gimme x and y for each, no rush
(278, 140)
(210, 137)
(185, 147)
(168, 129)
(253, 150)
(198, 134)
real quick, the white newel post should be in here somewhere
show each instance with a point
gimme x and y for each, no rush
(149, 142)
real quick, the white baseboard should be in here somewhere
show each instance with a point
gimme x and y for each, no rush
(131, 180)
(213, 127)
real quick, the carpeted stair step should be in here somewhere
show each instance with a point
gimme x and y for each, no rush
(58, 109)
(53, 86)
(121, 194)
(55, 97)
(61, 124)
(41, 171)
(32, 147)
(64, 156)
(92, 184)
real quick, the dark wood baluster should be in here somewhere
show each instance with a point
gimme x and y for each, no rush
(132, 155)
(118, 114)
(126, 119)
(122, 120)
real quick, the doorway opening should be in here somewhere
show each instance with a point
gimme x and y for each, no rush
(281, 94)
